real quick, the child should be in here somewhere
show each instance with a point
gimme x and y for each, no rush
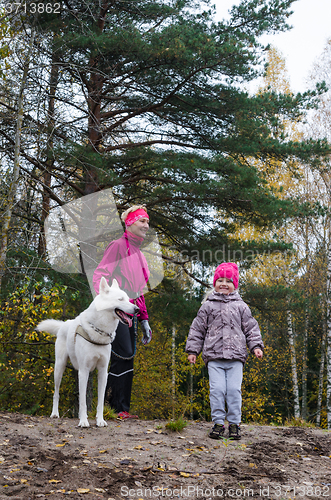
(221, 330)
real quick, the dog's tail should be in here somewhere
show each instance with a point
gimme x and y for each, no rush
(51, 326)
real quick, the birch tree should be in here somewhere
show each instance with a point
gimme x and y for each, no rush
(319, 125)
(14, 178)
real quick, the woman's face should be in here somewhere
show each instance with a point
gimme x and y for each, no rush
(140, 227)
(224, 285)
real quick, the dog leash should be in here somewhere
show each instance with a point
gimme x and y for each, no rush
(135, 326)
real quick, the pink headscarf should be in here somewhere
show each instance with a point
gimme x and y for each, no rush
(227, 270)
(136, 215)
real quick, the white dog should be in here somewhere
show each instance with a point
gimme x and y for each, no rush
(87, 341)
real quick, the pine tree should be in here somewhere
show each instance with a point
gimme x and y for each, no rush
(150, 103)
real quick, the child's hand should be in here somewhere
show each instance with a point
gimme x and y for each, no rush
(192, 358)
(258, 353)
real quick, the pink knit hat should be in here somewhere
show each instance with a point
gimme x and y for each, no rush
(227, 270)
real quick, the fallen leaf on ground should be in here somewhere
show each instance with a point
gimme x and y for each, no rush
(83, 490)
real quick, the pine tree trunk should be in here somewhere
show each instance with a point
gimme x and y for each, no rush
(47, 176)
(6, 219)
(293, 365)
(94, 108)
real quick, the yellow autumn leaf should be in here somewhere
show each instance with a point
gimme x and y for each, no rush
(60, 445)
(54, 481)
(83, 490)
(184, 474)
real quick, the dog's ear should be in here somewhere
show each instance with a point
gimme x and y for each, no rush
(115, 284)
(103, 287)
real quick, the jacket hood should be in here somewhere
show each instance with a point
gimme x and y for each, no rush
(222, 297)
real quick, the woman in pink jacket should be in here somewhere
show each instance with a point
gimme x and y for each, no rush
(124, 261)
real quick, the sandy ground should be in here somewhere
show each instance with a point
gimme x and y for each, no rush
(53, 458)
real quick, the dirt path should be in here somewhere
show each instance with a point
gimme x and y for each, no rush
(47, 458)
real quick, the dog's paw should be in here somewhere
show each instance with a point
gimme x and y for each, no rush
(55, 415)
(83, 423)
(101, 423)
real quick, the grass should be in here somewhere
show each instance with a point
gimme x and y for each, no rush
(108, 412)
(176, 425)
(298, 422)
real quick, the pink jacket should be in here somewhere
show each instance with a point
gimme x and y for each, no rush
(222, 329)
(124, 261)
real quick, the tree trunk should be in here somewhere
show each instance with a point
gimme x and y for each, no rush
(47, 176)
(304, 361)
(321, 380)
(306, 327)
(293, 365)
(173, 369)
(6, 219)
(95, 87)
(328, 339)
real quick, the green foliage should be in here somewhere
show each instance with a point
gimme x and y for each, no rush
(160, 116)
(27, 356)
(149, 101)
(176, 425)
(108, 412)
(298, 422)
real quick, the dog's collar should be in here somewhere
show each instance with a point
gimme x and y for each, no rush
(82, 333)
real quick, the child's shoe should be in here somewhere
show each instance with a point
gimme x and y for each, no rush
(217, 431)
(234, 431)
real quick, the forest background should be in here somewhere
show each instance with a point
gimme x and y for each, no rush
(149, 98)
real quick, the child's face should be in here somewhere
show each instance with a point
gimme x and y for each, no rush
(224, 285)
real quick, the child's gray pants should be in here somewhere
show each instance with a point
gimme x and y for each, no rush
(225, 377)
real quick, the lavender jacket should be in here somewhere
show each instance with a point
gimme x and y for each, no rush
(124, 261)
(222, 328)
